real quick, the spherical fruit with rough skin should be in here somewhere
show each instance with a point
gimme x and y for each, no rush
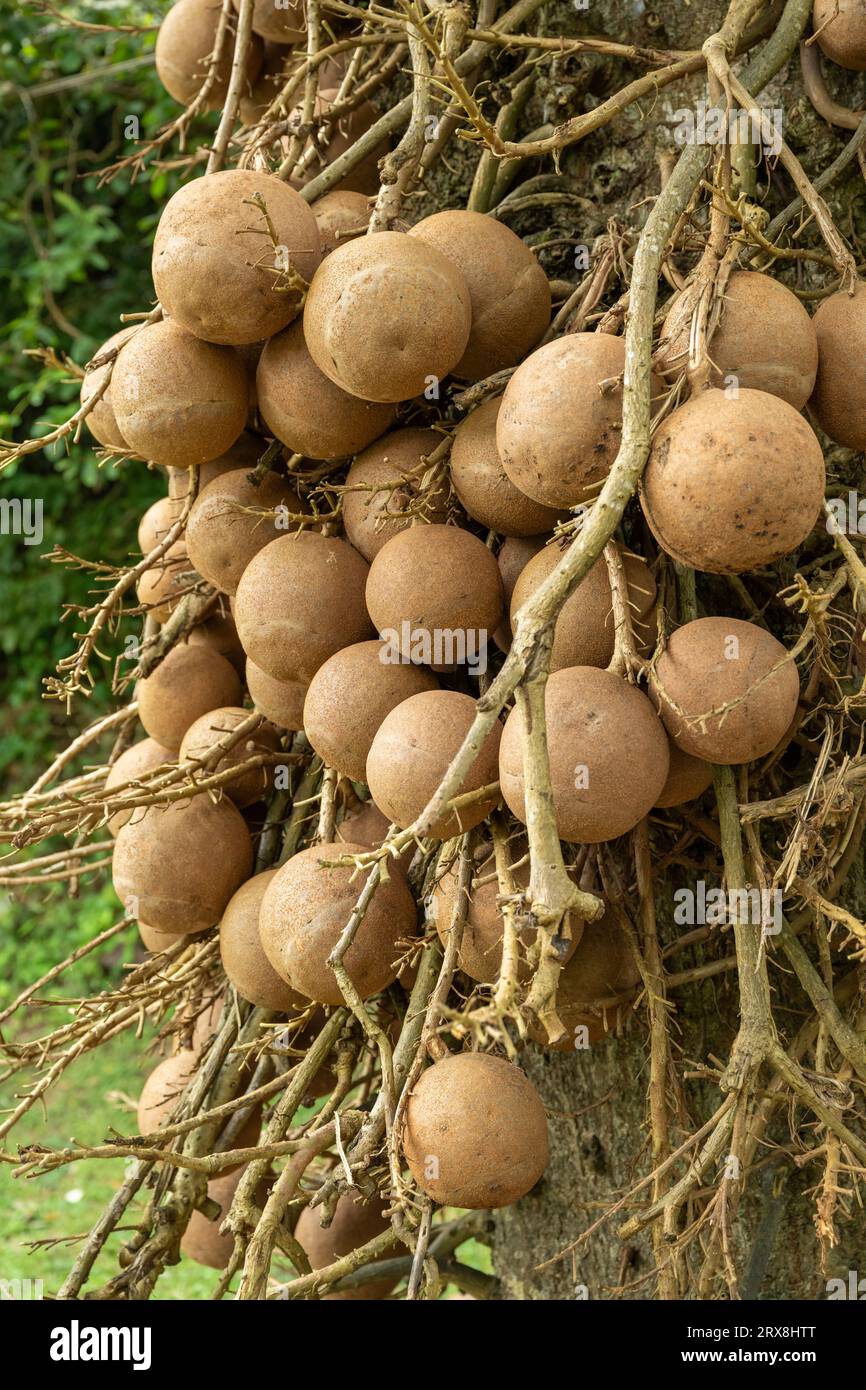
(178, 400)
(222, 537)
(220, 634)
(156, 523)
(602, 966)
(509, 290)
(334, 137)
(244, 962)
(184, 44)
(204, 271)
(711, 662)
(478, 1124)
(163, 1088)
(839, 398)
(348, 698)
(176, 866)
(143, 757)
(608, 755)
(280, 701)
(161, 587)
(386, 313)
(187, 683)
(557, 431)
(156, 941)
(300, 600)
(101, 420)
(306, 410)
(341, 216)
(433, 591)
(584, 632)
(514, 555)
(412, 750)
(764, 338)
(217, 724)
(383, 490)
(353, 1224)
(283, 24)
(480, 955)
(840, 27)
(202, 1240)
(733, 483)
(688, 778)
(244, 453)
(304, 911)
(483, 486)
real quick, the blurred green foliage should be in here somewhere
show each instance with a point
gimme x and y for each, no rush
(74, 256)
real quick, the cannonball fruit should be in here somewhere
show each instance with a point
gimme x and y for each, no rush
(188, 682)
(184, 45)
(354, 1222)
(100, 419)
(282, 702)
(216, 268)
(436, 594)
(176, 865)
(143, 757)
(733, 482)
(411, 752)
(388, 489)
(305, 910)
(245, 963)
(514, 555)
(227, 526)
(482, 484)
(163, 584)
(212, 728)
(475, 1133)
(220, 634)
(688, 778)
(558, 430)
(348, 698)
(608, 755)
(726, 689)
(244, 453)
(508, 289)
(341, 216)
(839, 399)
(306, 410)
(278, 23)
(840, 26)
(584, 632)
(178, 400)
(603, 965)
(385, 314)
(163, 1088)
(156, 941)
(300, 600)
(157, 521)
(202, 1240)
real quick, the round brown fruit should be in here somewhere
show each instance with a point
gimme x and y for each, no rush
(514, 555)
(341, 216)
(584, 632)
(244, 962)
(178, 400)
(712, 662)
(558, 432)
(839, 400)
(304, 911)
(608, 755)
(508, 289)
(477, 1123)
(156, 941)
(280, 62)
(187, 683)
(244, 453)
(480, 955)
(176, 866)
(764, 338)
(278, 23)
(184, 45)
(202, 1240)
(688, 778)
(840, 30)
(220, 634)
(434, 593)
(209, 729)
(413, 748)
(733, 483)
(157, 521)
(280, 701)
(483, 486)
(348, 698)
(354, 1223)
(161, 587)
(101, 420)
(333, 138)
(385, 314)
(307, 411)
(143, 757)
(163, 1088)
(200, 245)
(224, 532)
(602, 966)
(383, 488)
(300, 600)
